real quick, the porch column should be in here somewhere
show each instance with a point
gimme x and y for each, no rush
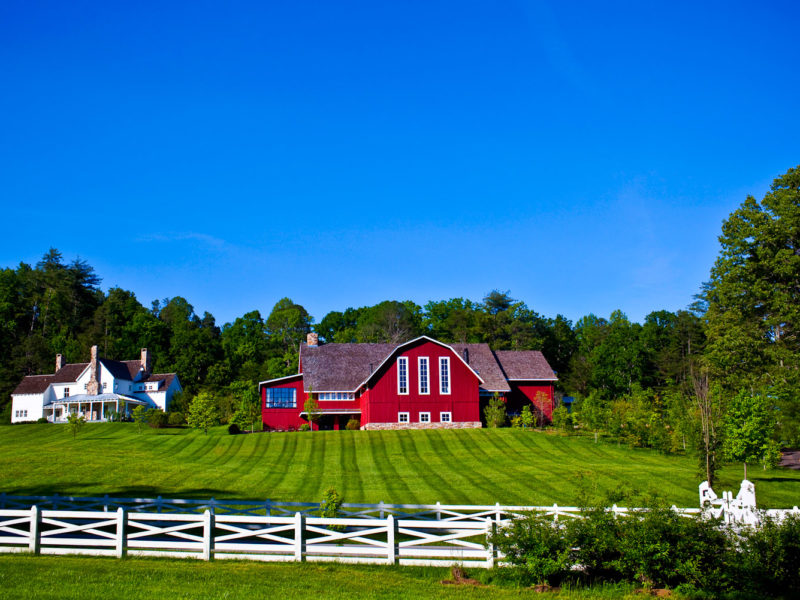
(102, 411)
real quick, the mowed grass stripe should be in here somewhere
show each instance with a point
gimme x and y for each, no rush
(465, 466)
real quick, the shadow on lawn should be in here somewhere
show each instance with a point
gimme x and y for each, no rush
(89, 489)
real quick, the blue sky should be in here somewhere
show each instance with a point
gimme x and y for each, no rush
(580, 155)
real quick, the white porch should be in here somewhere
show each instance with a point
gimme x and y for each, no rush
(94, 409)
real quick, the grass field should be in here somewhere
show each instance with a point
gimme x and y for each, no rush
(481, 466)
(60, 578)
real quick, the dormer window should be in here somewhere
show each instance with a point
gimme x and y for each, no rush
(66, 392)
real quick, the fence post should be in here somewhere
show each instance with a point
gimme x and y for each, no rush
(391, 540)
(555, 513)
(122, 535)
(380, 507)
(438, 511)
(208, 535)
(105, 503)
(34, 543)
(497, 511)
(490, 547)
(158, 504)
(299, 537)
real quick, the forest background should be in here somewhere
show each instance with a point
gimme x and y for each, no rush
(680, 381)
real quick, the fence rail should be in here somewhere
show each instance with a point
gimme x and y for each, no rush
(267, 538)
(461, 535)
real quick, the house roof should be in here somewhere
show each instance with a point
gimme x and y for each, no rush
(524, 365)
(119, 369)
(345, 367)
(340, 367)
(483, 361)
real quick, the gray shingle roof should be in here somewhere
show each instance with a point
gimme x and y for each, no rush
(524, 364)
(482, 360)
(340, 367)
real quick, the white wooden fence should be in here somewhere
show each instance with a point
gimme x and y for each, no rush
(266, 538)
(460, 536)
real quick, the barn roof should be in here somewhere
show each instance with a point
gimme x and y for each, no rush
(524, 365)
(345, 367)
(481, 358)
(341, 367)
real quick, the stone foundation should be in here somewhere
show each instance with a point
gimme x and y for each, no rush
(394, 426)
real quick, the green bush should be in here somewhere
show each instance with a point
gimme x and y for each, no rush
(157, 418)
(234, 429)
(42, 420)
(353, 425)
(659, 547)
(176, 418)
(536, 548)
(330, 507)
(495, 411)
(769, 558)
(562, 419)
(304, 427)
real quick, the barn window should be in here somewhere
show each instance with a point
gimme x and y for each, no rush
(423, 375)
(402, 375)
(444, 375)
(281, 398)
(66, 392)
(445, 417)
(424, 417)
(402, 417)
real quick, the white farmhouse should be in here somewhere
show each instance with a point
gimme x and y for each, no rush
(92, 389)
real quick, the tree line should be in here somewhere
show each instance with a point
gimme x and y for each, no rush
(665, 383)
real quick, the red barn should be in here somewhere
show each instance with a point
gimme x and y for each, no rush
(419, 384)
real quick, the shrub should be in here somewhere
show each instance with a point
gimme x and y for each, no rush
(157, 418)
(595, 539)
(769, 557)
(176, 418)
(304, 427)
(659, 547)
(562, 419)
(42, 420)
(536, 549)
(233, 429)
(330, 507)
(353, 425)
(495, 411)
(516, 421)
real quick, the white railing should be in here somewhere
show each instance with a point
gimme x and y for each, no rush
(298, 537)
(266, 538)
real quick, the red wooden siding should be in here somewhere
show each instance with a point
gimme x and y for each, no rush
(530, 392)
(284, 419)
(385, 403)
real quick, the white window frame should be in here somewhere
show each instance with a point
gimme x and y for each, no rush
(445, 360)
(66, 392)
(400, 416)
(427, 362)
(404, 361)
(425, 414)
(447, 414)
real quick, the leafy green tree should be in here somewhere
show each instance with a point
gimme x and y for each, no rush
(311, 407)
(562, 419)
(526, 417)
(389, 322)
(495, 411)
(749, 428)
(753, 299)
(250, 404)
(75, 423)
(203, 413)
(140, 417)
(592, 413)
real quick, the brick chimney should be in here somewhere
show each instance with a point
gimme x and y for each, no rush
(59, 362)
(145, 360)
(93, 387)
(312, 339)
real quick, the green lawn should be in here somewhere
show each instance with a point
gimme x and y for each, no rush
(455, 467)
(67, 577)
